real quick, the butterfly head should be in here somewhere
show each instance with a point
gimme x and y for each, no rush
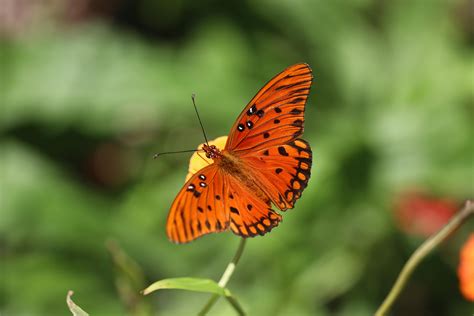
(211, 151)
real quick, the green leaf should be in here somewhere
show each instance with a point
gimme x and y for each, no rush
(75, 310)
(189, 284)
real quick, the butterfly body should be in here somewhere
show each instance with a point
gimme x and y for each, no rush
(234, 167)
(262, 162)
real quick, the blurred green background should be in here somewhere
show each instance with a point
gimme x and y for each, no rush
(91, 89)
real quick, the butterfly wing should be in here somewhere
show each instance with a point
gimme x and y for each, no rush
(265, 136)
(211, 201)
(276, 114)
(282, 171)
(201, 207)
(250, 215)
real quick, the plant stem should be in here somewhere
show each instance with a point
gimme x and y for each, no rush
(223, 282)
(236, 305)
(431, 243)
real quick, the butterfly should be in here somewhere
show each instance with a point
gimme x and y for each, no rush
(262, 162)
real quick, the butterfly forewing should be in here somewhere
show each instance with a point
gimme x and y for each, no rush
(276, 114)
(199, 208)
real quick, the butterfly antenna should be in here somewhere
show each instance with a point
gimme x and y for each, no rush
(193, 96)
(175, 152)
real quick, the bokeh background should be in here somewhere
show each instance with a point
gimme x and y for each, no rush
(91, 89)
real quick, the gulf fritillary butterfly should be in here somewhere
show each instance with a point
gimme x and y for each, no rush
(263, 162)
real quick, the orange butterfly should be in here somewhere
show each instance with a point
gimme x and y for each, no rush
(263, 162)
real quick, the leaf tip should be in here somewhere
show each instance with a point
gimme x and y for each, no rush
(75, 310)
(69, 301)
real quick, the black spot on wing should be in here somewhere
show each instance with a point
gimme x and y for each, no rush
(296, 111)
(252, 110)
(297, 123)
(302, 173)
(282, 151)
(263, 225)
(297, 100)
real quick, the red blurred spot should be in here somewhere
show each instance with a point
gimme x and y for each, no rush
(466, 269)
(422, 215)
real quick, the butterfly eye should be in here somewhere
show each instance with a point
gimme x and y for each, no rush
(191, 187)
(202, 177)
(202, 184)
(241, 127)
(249, 124)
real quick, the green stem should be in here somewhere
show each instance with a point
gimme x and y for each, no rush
(236, 305)
(223, 282)
(422, 251)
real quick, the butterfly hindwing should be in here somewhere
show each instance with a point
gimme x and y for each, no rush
(276, 114)
(283, 171)
(250, 215)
